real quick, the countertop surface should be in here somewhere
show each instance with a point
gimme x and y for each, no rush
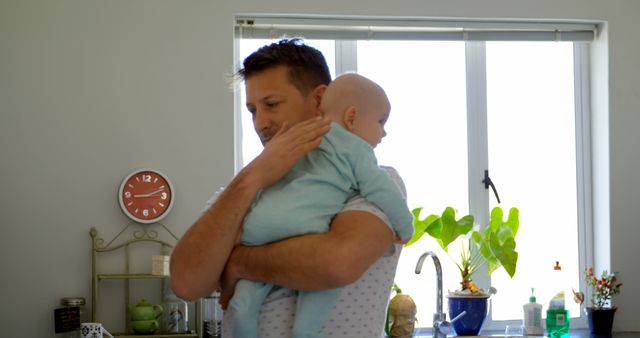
(581, 333)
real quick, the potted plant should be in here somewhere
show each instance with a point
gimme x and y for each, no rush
(601, 313)
(493, 246)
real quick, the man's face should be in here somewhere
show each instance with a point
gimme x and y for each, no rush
(272, 99)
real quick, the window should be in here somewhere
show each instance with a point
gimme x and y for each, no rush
(458, 108)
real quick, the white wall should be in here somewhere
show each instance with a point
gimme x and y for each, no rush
(91, 90)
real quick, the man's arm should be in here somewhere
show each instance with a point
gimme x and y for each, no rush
(317, 261)
(199, 257)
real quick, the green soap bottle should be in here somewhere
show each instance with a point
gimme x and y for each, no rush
(557, 316)
(558, 323)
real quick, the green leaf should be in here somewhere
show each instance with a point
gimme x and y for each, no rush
(435, 230)
(505, 254)
(512, 221)
(496, 219)
(503, 244)
(476, 237)
(420, 226)
(497, 243)
(449, 229)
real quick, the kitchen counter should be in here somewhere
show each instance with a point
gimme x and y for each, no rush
(580, 333)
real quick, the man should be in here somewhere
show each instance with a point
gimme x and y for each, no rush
(284, 85)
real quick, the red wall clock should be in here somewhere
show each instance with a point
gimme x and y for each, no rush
(146, 196)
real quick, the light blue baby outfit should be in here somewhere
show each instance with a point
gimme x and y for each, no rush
(305, 201)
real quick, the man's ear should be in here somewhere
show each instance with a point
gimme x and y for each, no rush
(349, 118)
(316, 95)
(318, 92)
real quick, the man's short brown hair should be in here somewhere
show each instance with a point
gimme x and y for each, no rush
(307, 66)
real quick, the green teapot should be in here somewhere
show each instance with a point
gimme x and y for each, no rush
(145, 326)
(144, 311)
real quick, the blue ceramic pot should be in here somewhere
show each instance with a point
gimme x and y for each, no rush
(471, 323)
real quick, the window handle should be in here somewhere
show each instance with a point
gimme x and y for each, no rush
(487, 182)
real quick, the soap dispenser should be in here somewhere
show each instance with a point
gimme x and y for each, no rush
(532, 325)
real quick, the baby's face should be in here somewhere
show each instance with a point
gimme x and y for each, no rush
(369, 125)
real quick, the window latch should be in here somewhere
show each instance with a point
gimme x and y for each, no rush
(487, 182)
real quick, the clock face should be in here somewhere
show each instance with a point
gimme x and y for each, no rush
(146, 196)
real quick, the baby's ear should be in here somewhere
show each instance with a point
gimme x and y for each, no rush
(349, 118)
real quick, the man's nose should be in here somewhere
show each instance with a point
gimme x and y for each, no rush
(260, 121)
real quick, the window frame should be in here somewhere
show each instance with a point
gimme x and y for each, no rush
(475, 56)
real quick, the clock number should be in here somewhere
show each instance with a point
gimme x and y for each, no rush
(145, 212)
(127, 194)
(164, 196)
(146, 178)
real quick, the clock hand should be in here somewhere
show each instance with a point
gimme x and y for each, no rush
(149, 194)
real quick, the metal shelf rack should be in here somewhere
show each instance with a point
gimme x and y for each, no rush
(132, 235)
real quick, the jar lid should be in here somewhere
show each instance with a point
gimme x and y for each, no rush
(72, 301)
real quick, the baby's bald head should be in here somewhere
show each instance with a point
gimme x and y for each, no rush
(359, 105)
(352, 90)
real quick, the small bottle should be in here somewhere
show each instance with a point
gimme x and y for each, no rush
(558, 323)
(532, 325)
(212, 316)
(557, 316)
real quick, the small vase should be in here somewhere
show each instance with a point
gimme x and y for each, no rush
(476, 311)
(600, 320)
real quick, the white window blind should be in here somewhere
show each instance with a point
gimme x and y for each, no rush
(411, 28)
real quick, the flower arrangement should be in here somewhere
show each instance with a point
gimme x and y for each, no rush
(603, 288)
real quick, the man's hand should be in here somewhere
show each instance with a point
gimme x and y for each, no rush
(228, 283)
(285, 148)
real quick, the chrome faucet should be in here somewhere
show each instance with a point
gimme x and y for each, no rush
(441, 327)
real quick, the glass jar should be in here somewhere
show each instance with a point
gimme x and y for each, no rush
(69, 303)
(175, 318)
(211, 316)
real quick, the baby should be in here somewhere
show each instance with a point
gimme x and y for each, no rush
(315, 190)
